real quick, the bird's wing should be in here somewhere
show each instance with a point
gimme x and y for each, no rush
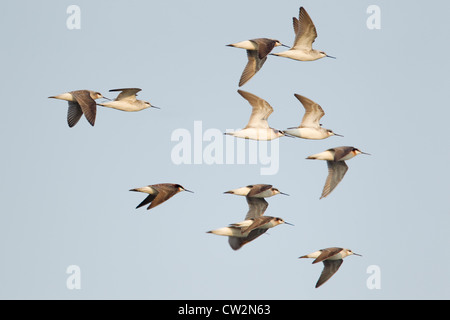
(258, 188)
(165, 192)
(74, 113)
(254, 64)
(336, 172)
(128, 94)
(313, 112)
(237, 242)
(327, 253)
(147, 200)
(329, 269)
(87, 104)
(256, 207)
(305, 31)
(341, 152)
(264, 46)
(257, 222)
(261, 110)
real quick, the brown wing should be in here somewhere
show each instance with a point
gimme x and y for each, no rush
(256, 207)
(341, 152)
(147, 200)
(327, 253)
(261, 110)
(74, 113)
(254, 64)
(257, 222)
(264, 46)
(128, 94)
(87, 104)
(313, 112)
(237, 242)
(258, 188)
(336, 172)
(330, 268)
(165, 192)
(306, 31)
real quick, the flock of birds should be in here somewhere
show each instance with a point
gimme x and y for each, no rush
(255, 222)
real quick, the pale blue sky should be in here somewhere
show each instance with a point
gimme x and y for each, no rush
(65, 198)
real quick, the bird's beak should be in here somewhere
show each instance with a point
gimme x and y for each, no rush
(339, 135)
(284, 193)
(283, 45)
(356, 254)
(189, 191)
(106, 98)
(366, 153)
(288, 223)
(287, 134)
(156, 107)
(330, 56)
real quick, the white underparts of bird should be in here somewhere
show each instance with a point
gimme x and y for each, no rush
(257, 128)
(337, 167)
(310, 127)
(305, 34)
(126, 101)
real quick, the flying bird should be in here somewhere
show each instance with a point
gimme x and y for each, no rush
(248, 229)
(257, 128)
(257, 51)
(337, 167)
(80, 102)
(257, 205)
(310, 128)
(159, 193)
(126, 101)
(305, 34)
(332, 259)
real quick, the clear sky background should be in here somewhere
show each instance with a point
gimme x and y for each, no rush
(64, 191)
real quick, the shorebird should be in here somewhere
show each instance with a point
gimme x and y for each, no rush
(337, 167)
(126, 101)
(80, 102)
(159, 193)
(257, 205)
(310, 128)
(257, 128)
(332, 259)
(257, 191)
(257, 51)
(305, 34)
(249, 228)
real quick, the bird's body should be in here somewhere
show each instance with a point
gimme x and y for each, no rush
(257, 128)
(80, 102)
(242, 229)
(310, 127)
(255, 224)
(158, 193)
(305, 34)
(257, 51)
(337, 167)
(256, 191)
(126, 101)
(332, 259)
